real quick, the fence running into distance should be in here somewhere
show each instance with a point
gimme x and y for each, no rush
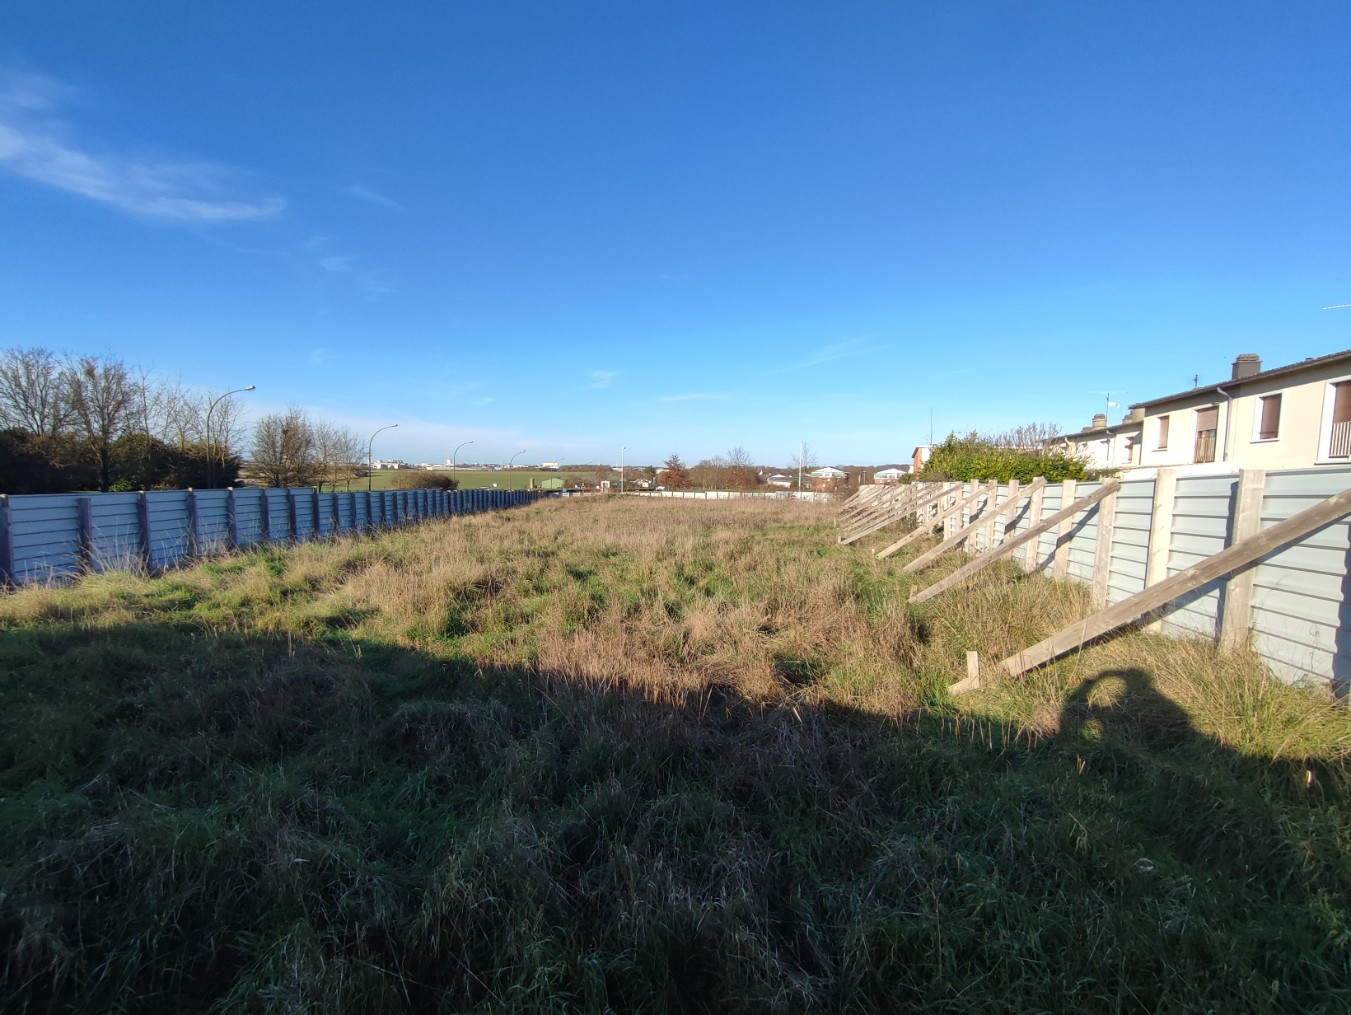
(1294, 602)
(46, 537)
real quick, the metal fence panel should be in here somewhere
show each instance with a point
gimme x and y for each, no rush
(1201, 528)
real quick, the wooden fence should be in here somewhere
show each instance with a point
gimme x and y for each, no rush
(1259, 556)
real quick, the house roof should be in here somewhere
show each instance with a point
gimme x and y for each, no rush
(1275, 372)
(827, 472)
(889, 472)
(1110, 430)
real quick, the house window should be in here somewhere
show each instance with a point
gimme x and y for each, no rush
(1163, 433)
(1131, 444)
(1207, 426)
(1339, 443)
(1269, 417)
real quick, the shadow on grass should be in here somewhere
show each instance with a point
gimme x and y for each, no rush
(202, 821)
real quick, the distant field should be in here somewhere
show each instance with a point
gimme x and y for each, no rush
(516, 479)
(638, 755)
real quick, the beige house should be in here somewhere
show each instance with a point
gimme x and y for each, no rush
(1101, 446)
(1290, 417)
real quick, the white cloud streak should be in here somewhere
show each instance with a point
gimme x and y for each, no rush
(842, 349)
(37, 145)
(372, 197)
(603, 378)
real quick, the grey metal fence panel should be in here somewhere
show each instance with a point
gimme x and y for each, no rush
(1130, 540)
(1084, 544)
(1201, 528)
(1300, 619)
(1052, 501)
(278, 517)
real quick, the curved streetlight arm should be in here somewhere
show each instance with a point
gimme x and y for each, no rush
(210, 458)
(370, 445)
(517, 455)
(454, 458)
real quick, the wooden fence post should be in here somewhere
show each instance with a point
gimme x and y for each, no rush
(194, 524)
(1062, 544)
(988, 531)
(1237, 617)
(85, 553)
(143, 523)
(7, 575)
(1033, 519)
(1102, 552)
(1160, 534)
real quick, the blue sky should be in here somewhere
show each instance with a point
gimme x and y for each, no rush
(565, 228)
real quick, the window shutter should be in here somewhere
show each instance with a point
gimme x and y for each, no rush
(1208, 418)
(1271, 417)
(1341, 404)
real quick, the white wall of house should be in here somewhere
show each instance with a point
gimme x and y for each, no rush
(1303, 438)
(1106, 449)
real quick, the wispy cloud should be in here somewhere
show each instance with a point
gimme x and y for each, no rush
(603, 378)
(373, 197)
(695, 396)
(37, 144)
(843, 349)
(373, 282)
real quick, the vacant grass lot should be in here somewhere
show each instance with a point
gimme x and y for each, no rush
(639, 755)
(471, 479)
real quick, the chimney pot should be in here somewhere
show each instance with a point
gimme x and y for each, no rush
(1099, 421)
(1246, 365)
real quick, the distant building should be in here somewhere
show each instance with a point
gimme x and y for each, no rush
(921, 455)
(389, 464)
(891, 475)
(549, 466)
(1101, 446)
(779, 480)
(828, 479)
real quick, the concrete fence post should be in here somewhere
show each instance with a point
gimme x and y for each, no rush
(7, 576)
(85, 552)
(194, 525)
(231, 519)
(1102, 552)
(292, 516)
(1160, 534)
(1033, 519)
(264, 516)
(143, 524)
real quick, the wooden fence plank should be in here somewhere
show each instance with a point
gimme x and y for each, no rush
(1102, 553)
(1033, 520)
(929, 555)
(1160, 532)
(894, 508)
(1228, 560)
(916, 504)
(985, 560)
(928, 523)
(1237, 616)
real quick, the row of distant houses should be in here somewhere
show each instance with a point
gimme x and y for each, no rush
(1288, 417)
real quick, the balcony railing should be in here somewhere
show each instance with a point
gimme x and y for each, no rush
(1340, 445)
(1205, 446)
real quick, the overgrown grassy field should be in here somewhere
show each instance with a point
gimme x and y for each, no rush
(472, 479)
(645, 755)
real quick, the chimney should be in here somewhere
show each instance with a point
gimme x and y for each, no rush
(1246, 365)
(1099, 421)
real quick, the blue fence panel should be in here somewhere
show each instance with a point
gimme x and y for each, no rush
(114, 532)
(45, 535)
(213, 526)
(249, 516)
(169, 532)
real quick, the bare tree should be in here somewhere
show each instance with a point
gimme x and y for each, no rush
(337, 452)
(804, 461)
(1025, 437)
(103, 399)
(741, 473)
(33, 393)
(284, 449)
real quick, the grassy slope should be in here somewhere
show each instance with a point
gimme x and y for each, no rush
(650, 756)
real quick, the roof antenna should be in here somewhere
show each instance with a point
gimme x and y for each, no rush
(1196, 380)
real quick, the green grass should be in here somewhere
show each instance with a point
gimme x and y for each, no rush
(645, 756)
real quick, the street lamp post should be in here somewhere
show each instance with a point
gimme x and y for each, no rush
(369, 461)
(513, 459)
(621, 469)
(210, 458)
(455, 457)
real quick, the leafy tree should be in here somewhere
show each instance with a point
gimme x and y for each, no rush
(674, 475)
(983, 458)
